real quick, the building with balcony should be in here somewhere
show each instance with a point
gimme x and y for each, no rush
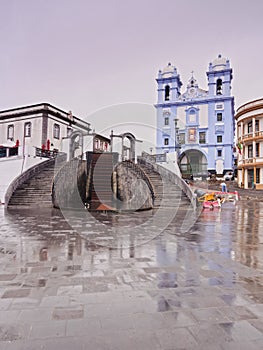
(249, 118)
(40, 126)
(198, 124)
(30, 134)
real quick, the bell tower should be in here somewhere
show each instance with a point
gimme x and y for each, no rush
(219, 77)
(169, 86)
(221, 123)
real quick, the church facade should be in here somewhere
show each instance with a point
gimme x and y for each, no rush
(198, 123)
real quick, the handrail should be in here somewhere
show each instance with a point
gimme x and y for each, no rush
(174, 178)
(154, 157)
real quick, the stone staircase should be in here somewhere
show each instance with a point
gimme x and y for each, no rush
(36, 190)
(166, 193)
(100, 167)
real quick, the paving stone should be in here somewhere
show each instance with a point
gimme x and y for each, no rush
(207, 334)
(116, 323)
(5, 304)
(35, 315)
(67, 313)
(13, 332)
(16, 293)
(179, 338)
(210, 315)
(49, 329)
(7, 277)
(177, 319)
(242, 330)
(83, 327)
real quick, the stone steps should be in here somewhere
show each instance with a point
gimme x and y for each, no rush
(36, 191)
(166, 194)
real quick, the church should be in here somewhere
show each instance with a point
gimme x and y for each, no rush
(198, 124)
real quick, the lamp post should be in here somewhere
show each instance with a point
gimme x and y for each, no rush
(177, 146)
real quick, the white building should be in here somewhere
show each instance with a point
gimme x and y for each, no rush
(249, 119)
(30, 134)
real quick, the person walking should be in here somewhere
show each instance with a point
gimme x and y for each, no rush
(223, 187)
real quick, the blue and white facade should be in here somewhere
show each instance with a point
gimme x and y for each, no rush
(198, 124)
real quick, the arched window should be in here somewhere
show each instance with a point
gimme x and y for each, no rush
(10, 132)
(56, 132)
(219, 86)
(167, 93)
(28, 129)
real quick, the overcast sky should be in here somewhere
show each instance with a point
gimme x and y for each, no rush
(84, 55)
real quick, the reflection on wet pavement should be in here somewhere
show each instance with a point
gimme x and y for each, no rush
(67, 287)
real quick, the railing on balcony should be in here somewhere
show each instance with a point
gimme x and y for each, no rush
(248, 161)
(247, 136)
(259, 134)
(44, 153)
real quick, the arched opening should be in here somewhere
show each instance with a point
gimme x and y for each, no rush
(167, 93)
(76, 144)
(219, 87)
(193, 163)
(128, 146)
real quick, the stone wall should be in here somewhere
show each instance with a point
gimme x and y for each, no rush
(69, 186)
(132, 191)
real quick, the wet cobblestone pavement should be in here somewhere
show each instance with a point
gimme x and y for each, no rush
(197, 290)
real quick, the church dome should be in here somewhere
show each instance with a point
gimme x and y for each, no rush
(219, 63)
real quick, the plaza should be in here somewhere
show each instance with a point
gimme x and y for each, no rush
(75, 287)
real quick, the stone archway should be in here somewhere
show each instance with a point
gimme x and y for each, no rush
(128, 146)
(76, 145)
(193, 163)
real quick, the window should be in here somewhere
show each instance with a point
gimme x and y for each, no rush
(13, 151)
(181, 139)
(2, 152)
(202, 138)
(249, 127)
(219, 139)
(219, 87)
(27, 129)
(256, 125)
(166, 121)
(257, 175)
(56, 131)
(192, 116)
(10, 132)
(250, 151)
(219, 153)
(167, 93)
(192, 137)
(219, 117)
(69, 131)
(166, 141)
(257, 150)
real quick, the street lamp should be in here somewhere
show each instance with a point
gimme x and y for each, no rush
(177, 146)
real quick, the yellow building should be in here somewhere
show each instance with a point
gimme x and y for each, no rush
(249, 118)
